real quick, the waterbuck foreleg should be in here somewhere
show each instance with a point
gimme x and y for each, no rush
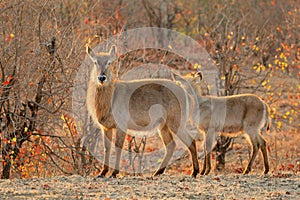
(170, 145)
(120, 137)
(107, 138)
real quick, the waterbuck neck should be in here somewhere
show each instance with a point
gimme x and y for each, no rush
(103, 99)
(198, 92)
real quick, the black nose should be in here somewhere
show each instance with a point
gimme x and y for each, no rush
(102, 78)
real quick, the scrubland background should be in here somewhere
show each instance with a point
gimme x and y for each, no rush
(255, 44)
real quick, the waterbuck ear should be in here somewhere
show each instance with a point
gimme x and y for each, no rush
(113, 50)
(90, 52)
(200, 75)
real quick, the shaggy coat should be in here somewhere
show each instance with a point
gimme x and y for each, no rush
(232, 116)
(137, 107)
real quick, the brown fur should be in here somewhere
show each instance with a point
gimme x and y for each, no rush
(154, 105)
(232, 116)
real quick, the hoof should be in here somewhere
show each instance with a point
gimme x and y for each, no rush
(113, 176)
(103, 173)
(266, 171)
(195, 172)
(159, 172)
(99, 176)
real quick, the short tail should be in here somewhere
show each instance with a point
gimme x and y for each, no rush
(268, 122)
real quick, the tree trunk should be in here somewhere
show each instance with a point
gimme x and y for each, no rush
(9, 156)
(6, 169)
(223, 144)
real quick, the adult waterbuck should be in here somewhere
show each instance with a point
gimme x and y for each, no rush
(138, 107)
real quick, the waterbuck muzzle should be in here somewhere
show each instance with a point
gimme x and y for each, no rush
(101, 78)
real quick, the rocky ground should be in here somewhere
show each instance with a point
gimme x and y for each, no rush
(280, 186)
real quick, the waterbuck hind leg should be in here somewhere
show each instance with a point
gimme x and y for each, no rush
(255, 146)
(120, 138)
(107, 138)
(207, 163)
(170, 145)
(263, 149)
(204, 163)
(208, 147)
(185, 137)
(194, 154)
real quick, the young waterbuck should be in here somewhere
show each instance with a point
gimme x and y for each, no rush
(232, 116)
(138, 107)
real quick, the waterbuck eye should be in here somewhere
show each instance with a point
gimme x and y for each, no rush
(108, 62)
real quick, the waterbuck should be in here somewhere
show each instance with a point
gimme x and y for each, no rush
(137, 107)
(232, 116)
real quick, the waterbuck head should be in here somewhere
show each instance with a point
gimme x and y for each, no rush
(195, 80)
(197, 77)
(102, 72)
